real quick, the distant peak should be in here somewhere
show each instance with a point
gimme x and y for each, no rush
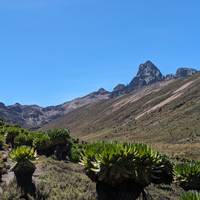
(185, 71)
(148, 65)
(102, 91)
(147, 74)
(149, 62)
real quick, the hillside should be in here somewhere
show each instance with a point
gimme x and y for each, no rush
(34, 116)
(164, 112)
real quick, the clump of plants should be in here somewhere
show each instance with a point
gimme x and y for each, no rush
(11, 132)
(122, 171)
(60, 143)
(188, 175)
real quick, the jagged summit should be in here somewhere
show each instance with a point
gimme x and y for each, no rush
(147, 74)
(102, 91)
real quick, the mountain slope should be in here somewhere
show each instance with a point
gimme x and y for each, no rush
(165, 111)
(33, 116)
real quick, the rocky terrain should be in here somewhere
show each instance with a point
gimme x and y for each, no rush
(34, 116)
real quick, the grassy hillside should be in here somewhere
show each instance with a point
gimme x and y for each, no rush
(163, 114)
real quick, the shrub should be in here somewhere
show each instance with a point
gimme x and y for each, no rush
(42, 141)
(188, 175)
(11, 133)
(58, 136)
(23, 139)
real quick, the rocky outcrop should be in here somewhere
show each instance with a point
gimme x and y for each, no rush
(147, 74)
(184, 72)
(118, 90)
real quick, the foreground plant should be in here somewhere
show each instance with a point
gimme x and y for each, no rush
(188, 175)
(122, 171)
(190, 196)
(24, 168)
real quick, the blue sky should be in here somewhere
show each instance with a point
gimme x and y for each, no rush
(52, 51)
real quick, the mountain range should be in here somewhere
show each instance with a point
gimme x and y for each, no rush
(150, 103)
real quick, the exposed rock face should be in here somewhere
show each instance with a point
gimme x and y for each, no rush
(148, 73)
(184, 72)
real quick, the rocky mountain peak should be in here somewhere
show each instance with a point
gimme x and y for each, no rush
(147, 74)
(185, 71)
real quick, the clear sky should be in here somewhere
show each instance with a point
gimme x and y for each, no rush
(54, 50)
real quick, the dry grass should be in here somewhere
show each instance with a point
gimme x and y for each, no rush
(57, 180)
(177, 121)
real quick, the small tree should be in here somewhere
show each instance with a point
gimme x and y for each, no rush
(24, 168)
(122, 171)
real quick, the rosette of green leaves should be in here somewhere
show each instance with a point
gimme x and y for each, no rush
(187, 175)
(22, 153)
(114, 163)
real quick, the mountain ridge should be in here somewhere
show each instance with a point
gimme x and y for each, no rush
(34, 116)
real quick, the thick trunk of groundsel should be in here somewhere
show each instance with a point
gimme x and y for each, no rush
(23, 172)
(124, 191)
